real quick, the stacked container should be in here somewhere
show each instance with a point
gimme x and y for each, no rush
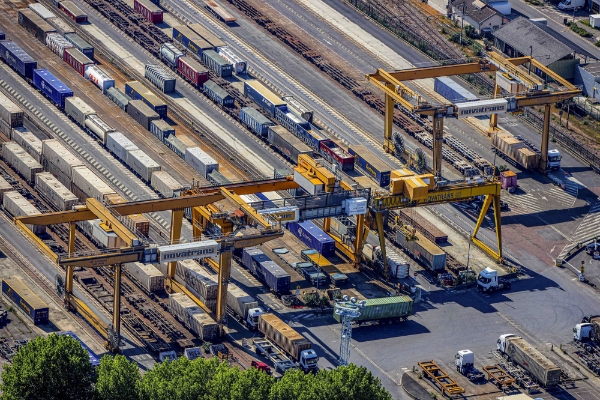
(98, 127)
(200, 161)
(54, 191)
(146, 275)
(21, 161)
(160, 78)
(59, 161)
(17, 59)
(142, 164)
(78, 110)
(57, 43)
(192, 316)
(108, 239)
(10, 112)
(165, 184)
(88, 184)
(199, 282)
(141, 113)
(17, 205)
(28, 141)
(99, 78)
(119, 145)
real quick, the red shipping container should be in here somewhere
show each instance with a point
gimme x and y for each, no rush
(150, 11)
(331, 149)
(77, 60)
(192, 70)
(73, 11)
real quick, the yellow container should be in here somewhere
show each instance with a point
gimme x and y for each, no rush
(396, 185)
(401, 173)
(415, 188)
(428, 179)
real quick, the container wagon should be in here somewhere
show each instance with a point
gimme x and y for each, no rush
(86, 184)
(218, 94)
(94, 359)
(137, 91)
(35, 24)
(98, 128)
(4, 187)
(424, 251)
(78, 110)
(371, 164)
(59, 161)
(200, 161)
(240, 66)
(143, 114)
(17, 205)
(220, 12)
(257, 122)
(161, 129)
(99, 78)
(26, 300)
(192, 70)
(60, 25)
(10, 112)
(118, 97)
(385, 310)
(509, 146)
(17, 59)
(147, 275)
(177, 145)
(73, 11)
(286, 143)
(336, 155)
(55, 192)
(58, 44)
(313, 236)
(191, 40)
(77, 60)
(51, 87)
(192, 316)
(41, 11)
(21, 161)
(217, 178)
(81, 45)
(262, 96)
(169, 53)
(165, 184)
(452, 91)
(28, 141)
(142, 164)
(207, 35)
(160, 78)
(149, 10)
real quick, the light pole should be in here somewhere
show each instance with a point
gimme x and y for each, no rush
(462, 22)
(348, 311)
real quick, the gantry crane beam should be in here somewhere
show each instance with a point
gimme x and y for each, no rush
(319, 171)
(557, 78)
(112, 221)
(512, 69)
(248, 210)
(444, 70)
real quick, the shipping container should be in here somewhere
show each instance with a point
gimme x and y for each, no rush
(207, 35)
(287, 144)
(530, 358)
(4, 187)
(177, 145)
(41, 10)
(312, 236)
(423, 250)
(218, 94)
(35, 24)
(55, 192)
(192, 70)
(140, 224)
(60, 25)
(192, 316)
(26, 299)
(149, 10)
(309, 184)
(429, 230)
(160, 78)
(165, 184)
(274, 276)
(169, 53)
(147, 275)
(262, 96)
(104, 236)
(10, 112)
(78, 110)
(73, 11)
(81, 44)
(142, 164)
(335, 154)
(398, 266)
(94, 359)
(217, 178)
(59, 161)
(76, 59)
(312, 137)
(17, 205)
(90, 184)
(516, 150)
(219, 11)
(452, 91)
(200, 161)
(257, 122)
(240, 66)
(21, 161)
(50, 86)
(118, 97)
(137, 91)
(161, 129)
(183, 34)
(118, 144)
(2, 35)
(384, 310)
(283, 335)
(198, 279)
(17, 59)
(99, 128)
(252, 257)
(99, 78)
(371, 164)
(57, 43)
(292, 122)
(140, 112)
(239, 301)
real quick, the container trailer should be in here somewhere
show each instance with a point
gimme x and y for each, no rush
(17, 59)
(313, 236)
(383, 311)
(371, 164)
(26, 300)
(243, 307)
(81, 44)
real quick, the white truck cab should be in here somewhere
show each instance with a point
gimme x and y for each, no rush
(252, 318)
(566, 5)
(554, 155)
(309, 360)
(488, 281)
(501, 343)
(583, 332)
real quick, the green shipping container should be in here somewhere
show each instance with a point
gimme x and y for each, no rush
(384, 309)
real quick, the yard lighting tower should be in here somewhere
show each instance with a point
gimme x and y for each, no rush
(348, 310)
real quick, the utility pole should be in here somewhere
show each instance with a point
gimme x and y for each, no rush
(462, 22)
(348, 311)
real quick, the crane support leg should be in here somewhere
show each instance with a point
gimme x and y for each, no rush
(381, 233)
(497, 219)
(176, 222)
(224, 275)
(494, 117)
(116, 322)
(545, 138)
(388, 145)
(438, 140)
(69, 272)
(196, 222)
(359, 242)
(327, 224)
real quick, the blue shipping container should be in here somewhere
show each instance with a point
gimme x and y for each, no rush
(452, 91)
(94, 359)
(257, 122)
(375, 167)
(149, 98)
(2, 36)
(26, 300)
(16, 58)
(252, 257)
(275, 277)
(81, 45)
(51, 86)
(161, 129)
(312, 236)
(218, 94)
(263, 96)
(312, 137)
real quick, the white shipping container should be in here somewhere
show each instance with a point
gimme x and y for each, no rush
(41, 10)
(189, 251)
(312, 186)
(170, 53)
(54, 191)
(198, 278)
(98, 127)
(4, 187)
(240, 66)
(17, 205)
(240, 301)
(20, 161)
(10, 112)
(99, 78)
(77, 109)
(142, 164)
(29, 142)
(53, 152)
(160, 77)
(108, 239)
(200, 161)
(192, 316)
(147, 275)
(90, 183)
(399, 266)
(165, 184)
(57, 43)
(119, 145)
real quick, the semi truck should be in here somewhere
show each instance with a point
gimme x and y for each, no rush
(509, 146)
(243, 307)
(530, 359)
(489, 281)
(588, 330)
(384, 310)
(465, 364)
(285, 347)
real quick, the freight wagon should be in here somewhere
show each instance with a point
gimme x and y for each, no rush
(218, 94)
(424, 251)
(262, 96)
(452, 91)
(51, 87)
(59, 161)
(35, 24)
(143, 114)
(41, 11)
(291, 121)
(192, 316)
(385, 310)
(257, 122)
(220, 12)
(28, 141)
(371, 164)
(137, 91)
(94, 359)
(95, 125)
(217, 179)
(161, 129)
(169, 53)
(58, 44)
(165, 184)
(176, 145)
(81, 45)
(313, 136)
(118, 97)
(240, 66)
(55, 192)
(73, 11)
(207, 35)
(17, 59)
(142, 164)
(286, 143)
(78, 110)
(21, 161)
(200, 161)
(149, 10)
(191, 40)
(86, 184)
(16, 205)
(10, 112)
(192, 70)
(314, 237)
(99, 78)
(160, 78)
(146, 275)
(60, 25)
(77, 60)
(26, 300)
(336, 155)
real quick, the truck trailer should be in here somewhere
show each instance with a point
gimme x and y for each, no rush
(384, 310)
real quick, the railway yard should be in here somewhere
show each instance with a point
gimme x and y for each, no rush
(189, 179)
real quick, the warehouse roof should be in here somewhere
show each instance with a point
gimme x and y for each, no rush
(529, 38)
(593, 68)
(474, 9)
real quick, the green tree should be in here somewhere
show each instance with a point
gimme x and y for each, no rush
(251, 384)
(296, 385)
(56, 367)
(118, 378)
(353, 382)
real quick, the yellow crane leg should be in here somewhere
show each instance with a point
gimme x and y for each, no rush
(176, 223)
(545, 138)
(497, 219)
(114, 347)
(87, 314)
(388, 124)
(327, 224)
(196, 222)
(381, 233)
(494, 117)
(438, 141)
(69, 272)
(224, 275)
